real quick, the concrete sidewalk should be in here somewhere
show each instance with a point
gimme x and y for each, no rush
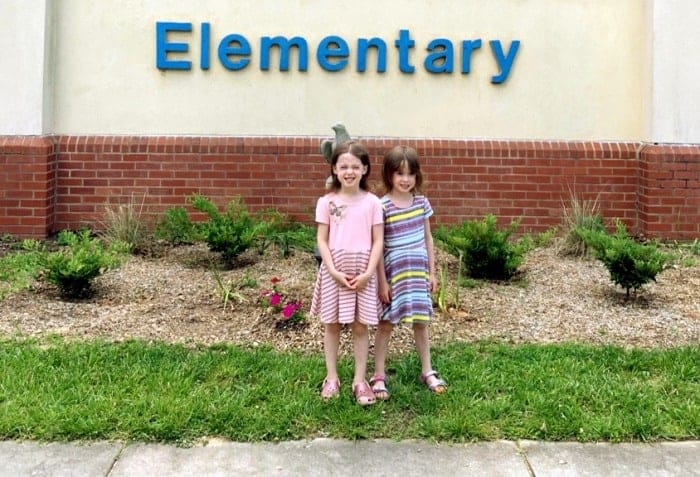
(331, 457)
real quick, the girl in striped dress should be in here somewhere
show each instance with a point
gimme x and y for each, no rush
(350, 240)
(407, 277)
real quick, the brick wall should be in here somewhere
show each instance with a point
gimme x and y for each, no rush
(27, 185)
(669, 191)
(54, 183)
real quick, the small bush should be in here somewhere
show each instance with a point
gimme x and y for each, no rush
(177, 228)
(74, 268)
(631, 264)
(230, 233)
(286, 235)
(485, 251)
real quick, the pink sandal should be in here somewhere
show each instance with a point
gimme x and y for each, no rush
(330, 389)
(438, 386)
(363, 394)
(378, 384)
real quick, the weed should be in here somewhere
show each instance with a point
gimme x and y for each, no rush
(577, 216)
(124, 223)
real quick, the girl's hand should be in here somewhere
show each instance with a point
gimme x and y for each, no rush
(343, 280)
(384, 293)
(432, 283)
(358, 282)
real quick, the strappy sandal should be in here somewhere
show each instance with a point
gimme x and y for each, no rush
(438, 386)
(363, 394)
(378, 384)
(330, 389)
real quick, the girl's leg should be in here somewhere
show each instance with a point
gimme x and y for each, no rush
(360, 338)
(421, 337)
(363, 393)
(381, 346)
(422, 341)
(331, 344)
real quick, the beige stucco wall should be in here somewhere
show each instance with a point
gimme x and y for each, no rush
(586, 69)
(676, 71)
(577, 74)
(23, 43)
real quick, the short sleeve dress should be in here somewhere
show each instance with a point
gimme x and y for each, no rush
(350, 240)
(406, 262)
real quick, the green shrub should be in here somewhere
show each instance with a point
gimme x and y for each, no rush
(230, 233)
(83, 258)
(631, 264)
(287, 235)
(485, 251)
(177, 228)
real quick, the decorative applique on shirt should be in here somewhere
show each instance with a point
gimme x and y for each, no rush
(337, 212)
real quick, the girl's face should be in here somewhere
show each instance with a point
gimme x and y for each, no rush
(349, 170)
(403, 181)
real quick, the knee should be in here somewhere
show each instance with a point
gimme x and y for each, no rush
(359, 330)
(420, 328)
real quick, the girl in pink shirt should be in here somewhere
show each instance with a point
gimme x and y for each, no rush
(350, 240)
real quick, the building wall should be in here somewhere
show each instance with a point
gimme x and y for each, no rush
(577, 74)
(601, 100)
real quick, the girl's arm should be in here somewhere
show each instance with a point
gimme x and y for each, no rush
(325, 252)
(430, 247)
(382, 283)
(375, 255)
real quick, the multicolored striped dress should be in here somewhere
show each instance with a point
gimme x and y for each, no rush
(350, 240)
(406, 262)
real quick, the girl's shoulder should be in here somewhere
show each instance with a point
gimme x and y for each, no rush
(371, 196)
(421, 199)
(327, 197)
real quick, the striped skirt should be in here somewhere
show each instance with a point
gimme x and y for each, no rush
(407, 274)
(335, 304)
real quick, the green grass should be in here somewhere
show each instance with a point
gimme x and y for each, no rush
(172, 393)
(18, 270)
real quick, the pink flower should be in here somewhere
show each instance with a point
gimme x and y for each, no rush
(275, 280)
(289, 310)
(275, 299)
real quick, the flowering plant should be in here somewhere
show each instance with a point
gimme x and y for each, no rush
(291, 310)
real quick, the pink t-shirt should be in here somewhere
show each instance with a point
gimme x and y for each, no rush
(349, 221)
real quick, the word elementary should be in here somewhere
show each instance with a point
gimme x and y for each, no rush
(333, 53)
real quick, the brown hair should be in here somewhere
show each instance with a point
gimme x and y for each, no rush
(357, 150)
(397, 158)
